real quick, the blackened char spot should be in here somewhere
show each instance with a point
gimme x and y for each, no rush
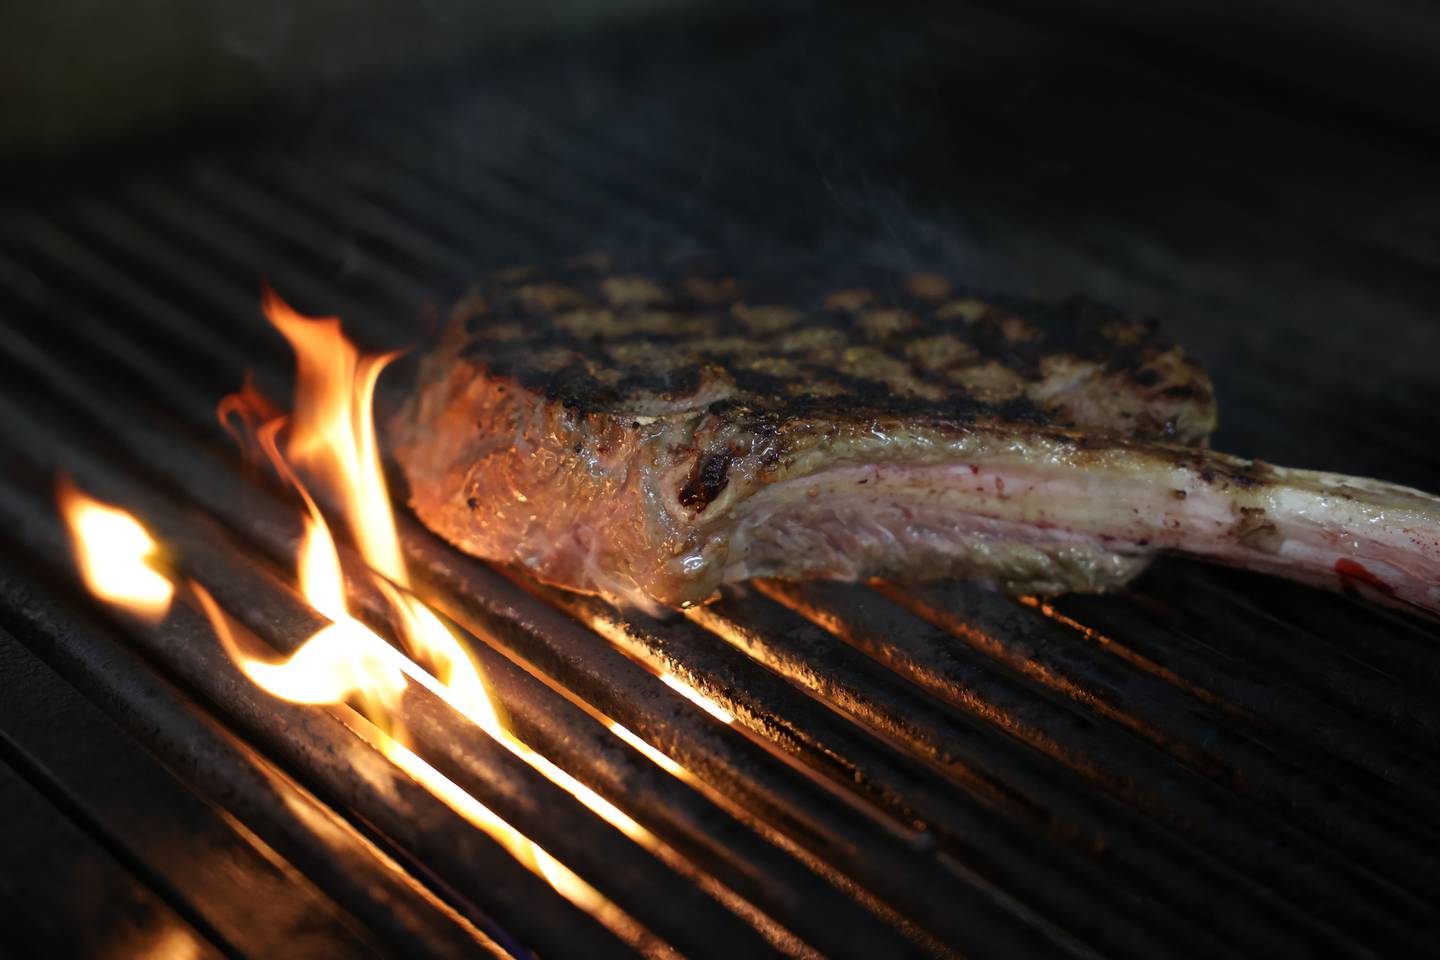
(1247, 475)
(572, 386)
(706, 481)
(1022, 409)
(528, 339)
(1127, 360)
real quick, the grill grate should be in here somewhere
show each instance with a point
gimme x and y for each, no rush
(1210, 764)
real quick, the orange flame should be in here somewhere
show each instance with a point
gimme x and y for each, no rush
(243, 413)
(333, 436)
(332, 442)
(116, 554)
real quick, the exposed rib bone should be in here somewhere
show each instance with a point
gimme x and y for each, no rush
(1047, 518)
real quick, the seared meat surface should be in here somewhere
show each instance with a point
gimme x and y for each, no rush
(649, 437)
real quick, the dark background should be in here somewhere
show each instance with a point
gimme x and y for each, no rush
(1263, 182)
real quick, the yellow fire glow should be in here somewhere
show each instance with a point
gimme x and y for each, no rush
(333, 435)
(655, 756)
(697, 698)
(568, 883)
(344, 660)
(115, 554)
(332, 442)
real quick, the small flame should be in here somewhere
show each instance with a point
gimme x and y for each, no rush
(346, 660)
(116, 554)
(332, 442)
(333, 436)
(244, 412)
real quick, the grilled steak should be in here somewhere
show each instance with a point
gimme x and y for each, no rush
(649, 439)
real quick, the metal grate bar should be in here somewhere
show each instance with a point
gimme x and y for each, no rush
(227, 772)
(1207, 764)
(134, 426)
(976, 826)
(314, 745)
(1059, 799)
(1263, 845)
(1347, 749)
(82, 876)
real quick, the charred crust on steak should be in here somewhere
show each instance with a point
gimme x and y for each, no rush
(707, 481)
(654, 432)
(623, 343)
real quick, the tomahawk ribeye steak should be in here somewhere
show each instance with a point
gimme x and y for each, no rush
(651, 436)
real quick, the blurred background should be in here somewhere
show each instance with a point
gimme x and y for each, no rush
(1261, 180)
(77, 69)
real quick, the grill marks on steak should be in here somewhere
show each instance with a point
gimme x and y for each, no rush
(625, 345)
(650, 437)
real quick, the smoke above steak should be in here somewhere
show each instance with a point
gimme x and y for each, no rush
(651, 437)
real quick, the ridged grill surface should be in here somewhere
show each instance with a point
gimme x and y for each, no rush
(1210, 764)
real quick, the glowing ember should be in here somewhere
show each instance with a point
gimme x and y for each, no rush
(115, 553)
(697, 698)
(561, 877)
(655, 756)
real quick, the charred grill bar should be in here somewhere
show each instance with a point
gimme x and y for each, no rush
(1211, 763)
(285, 815)
(339, 763)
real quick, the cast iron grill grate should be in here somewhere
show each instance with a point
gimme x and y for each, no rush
(1211, 764)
